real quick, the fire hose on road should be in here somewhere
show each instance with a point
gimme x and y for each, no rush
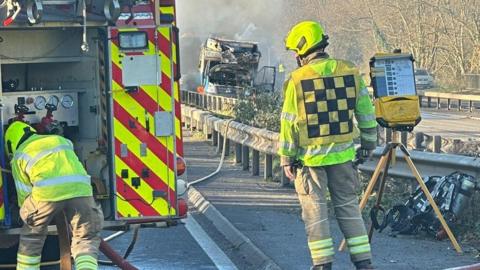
(222, 158)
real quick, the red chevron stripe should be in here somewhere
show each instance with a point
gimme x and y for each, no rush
(146, 101)
(117, 74)
(166, 84)
(164, 45)
(134, 199)
(154, 181)
(150, 34)
(1, 195)
(114, 36)
(152, 142)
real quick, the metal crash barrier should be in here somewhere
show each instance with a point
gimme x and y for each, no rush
(262, 141)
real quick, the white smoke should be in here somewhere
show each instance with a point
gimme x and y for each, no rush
(248, 20)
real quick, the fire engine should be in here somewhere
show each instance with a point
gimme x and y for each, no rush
(105, 75)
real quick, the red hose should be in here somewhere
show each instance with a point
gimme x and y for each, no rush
(123, 264)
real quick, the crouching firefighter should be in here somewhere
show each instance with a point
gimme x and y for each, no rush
(321, 98)
(50, 180)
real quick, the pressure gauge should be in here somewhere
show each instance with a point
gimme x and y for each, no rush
(40, 102)
(53, 100)
(67, 101)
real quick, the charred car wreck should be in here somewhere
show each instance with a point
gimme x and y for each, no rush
(230, 68)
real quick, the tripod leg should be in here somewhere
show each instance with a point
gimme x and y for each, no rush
(433, 204)
(381, 189)
(373, 181)
(369, 189)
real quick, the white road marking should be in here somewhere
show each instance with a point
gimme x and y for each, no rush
(218, 257)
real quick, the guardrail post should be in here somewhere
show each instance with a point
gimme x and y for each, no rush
(284, 181)
(388, 135)
(449, 104)
(404, 138)
(220, 143)
(419, 137)
(459, 105)
(437, 144)
(429, 102)
(470, 105)
(192, 124)
(205, 131)
(227, 147)
(238, 153)
(439, 106)
(245, 157)
(205, 101)
(268, 170)
(219, 104)
(214, 103)
(255, 162)
(420, 99)
(214, 137)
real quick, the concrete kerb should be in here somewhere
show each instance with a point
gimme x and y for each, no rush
(242, 243)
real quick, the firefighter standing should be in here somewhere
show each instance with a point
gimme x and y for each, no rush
(316, 142)
(49, 180)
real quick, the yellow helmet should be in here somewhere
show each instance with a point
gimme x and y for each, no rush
(17, 133)
(306, 36)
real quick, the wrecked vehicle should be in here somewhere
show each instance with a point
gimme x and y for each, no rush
(230, 68)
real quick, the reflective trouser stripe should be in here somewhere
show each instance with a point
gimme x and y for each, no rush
(358, 245)
(86, 262)
(25, 262)
(321, 248)
(62, 180)
(365, 248)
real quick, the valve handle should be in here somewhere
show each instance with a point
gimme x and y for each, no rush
(51, 107)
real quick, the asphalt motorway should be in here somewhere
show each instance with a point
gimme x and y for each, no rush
(185, 246)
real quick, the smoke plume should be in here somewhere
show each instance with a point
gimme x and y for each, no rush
(247, 20)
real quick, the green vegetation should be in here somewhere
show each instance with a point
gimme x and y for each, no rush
(261, 111)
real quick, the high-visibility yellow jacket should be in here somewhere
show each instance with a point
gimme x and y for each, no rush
(46, 167)
(320, 100)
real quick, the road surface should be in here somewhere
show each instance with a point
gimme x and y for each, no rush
(269, 216)
(185, 246)
(451, 124)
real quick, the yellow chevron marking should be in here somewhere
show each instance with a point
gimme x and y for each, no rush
(125, 208)
(154, 163)
(138, 111)
(145, 191)
(167, 10)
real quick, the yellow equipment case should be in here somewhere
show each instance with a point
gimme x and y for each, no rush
(396, 101)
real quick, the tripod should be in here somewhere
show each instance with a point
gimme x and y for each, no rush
(387, 158)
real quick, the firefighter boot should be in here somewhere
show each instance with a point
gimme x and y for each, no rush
(364, 265)
(327, 266)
